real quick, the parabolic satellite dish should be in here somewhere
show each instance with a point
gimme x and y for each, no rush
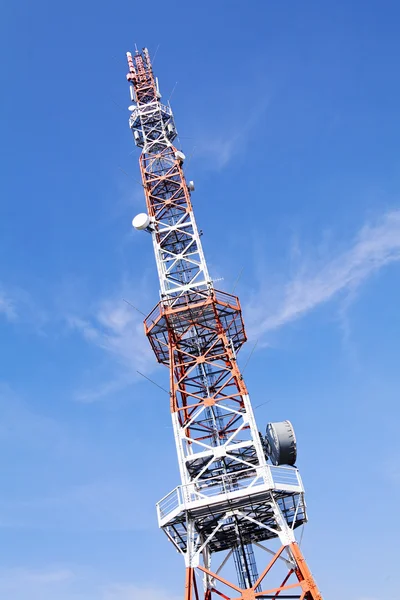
(141, 221)
(281, 443)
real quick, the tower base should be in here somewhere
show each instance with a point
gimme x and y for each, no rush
(298, 583)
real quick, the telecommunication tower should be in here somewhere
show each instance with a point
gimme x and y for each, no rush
(240, 491)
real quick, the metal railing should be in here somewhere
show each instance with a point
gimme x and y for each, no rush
(286, 476)
(269, 478)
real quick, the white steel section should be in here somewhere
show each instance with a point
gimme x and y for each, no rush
(197, 547)
(208, 582)
(191, 556)
(285, 533)
(153, 136)
(179, 448)
(256, 438)
(194, 496)
(289, 562)
(189, 448)
(192, 255)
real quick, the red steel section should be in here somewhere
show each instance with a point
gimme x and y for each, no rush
(215, 319)
(298, 583)
(141, 76)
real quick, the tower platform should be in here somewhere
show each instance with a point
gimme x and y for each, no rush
(246, 500)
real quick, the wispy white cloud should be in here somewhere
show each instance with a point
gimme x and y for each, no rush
(117, 329)
(391, 467)
(111, 325)
(102, 505)
(20, 583)
(41, 577)
(318, 281)
(21, 424)
(217, 151)
(133, 592)
(70, 480)
(18, 306)
(50, 576)
(7, 306)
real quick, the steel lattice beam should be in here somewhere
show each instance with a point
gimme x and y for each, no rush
(230, 496)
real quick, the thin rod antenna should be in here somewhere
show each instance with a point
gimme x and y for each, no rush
(153, 382)
(116, 104)
(262, 404)
(249, 357)
(155, 54)
(139, 311)
(237, 280)
(130, 304)
(190, 158)
(130, 176)
(173, 89)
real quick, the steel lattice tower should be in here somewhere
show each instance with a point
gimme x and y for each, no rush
(232, 496)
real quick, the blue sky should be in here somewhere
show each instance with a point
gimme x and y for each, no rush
(290, 114)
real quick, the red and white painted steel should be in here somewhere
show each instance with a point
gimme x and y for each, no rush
(231, 499)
